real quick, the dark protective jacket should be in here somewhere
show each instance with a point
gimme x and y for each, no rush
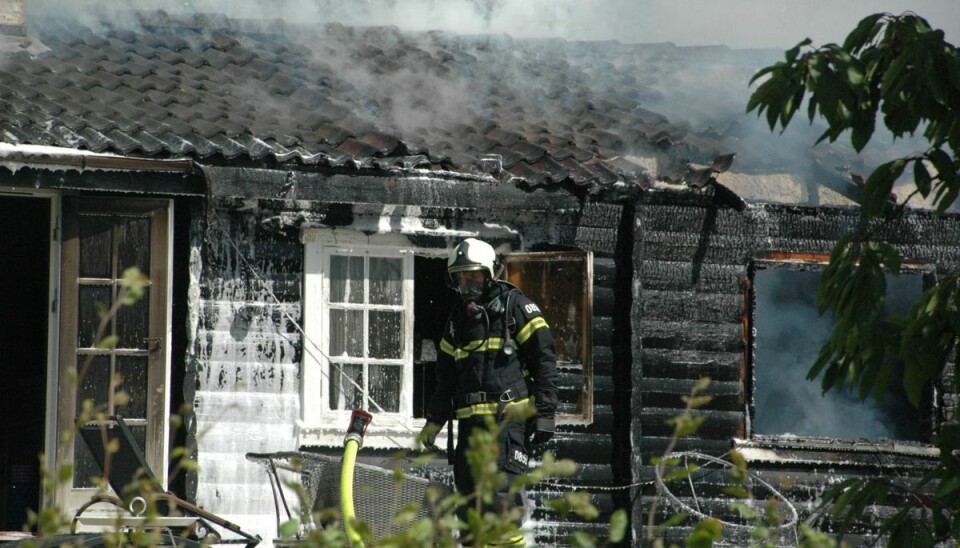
(494, 356)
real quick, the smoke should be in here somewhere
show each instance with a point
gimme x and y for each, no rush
(734, 23)
(789, 334)
(532, 52)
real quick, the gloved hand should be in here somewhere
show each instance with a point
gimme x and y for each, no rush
(428, 436)
(542, 429)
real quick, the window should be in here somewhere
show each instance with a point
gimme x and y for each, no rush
(359, 325)
(375, 306)
(561, 283)
(788, 334)
(365, 338)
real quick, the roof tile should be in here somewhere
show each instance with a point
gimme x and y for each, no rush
(356, 149)
(210, 86)
(555, 171)
(509, 157)
(385, 144)
(177, 145)
(122, 142)
(94, 140)
(149, 143)
(228, 147)
(528, 151)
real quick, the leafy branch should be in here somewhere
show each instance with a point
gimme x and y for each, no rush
(899, 69)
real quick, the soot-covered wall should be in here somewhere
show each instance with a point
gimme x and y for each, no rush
(690, 311)
(245, 351)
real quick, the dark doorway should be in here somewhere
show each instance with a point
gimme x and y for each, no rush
(25, 255)
(432, 302)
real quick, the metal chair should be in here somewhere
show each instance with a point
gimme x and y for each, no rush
(133, 482)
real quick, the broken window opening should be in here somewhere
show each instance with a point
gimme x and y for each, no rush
(561, 283)
(788, 335)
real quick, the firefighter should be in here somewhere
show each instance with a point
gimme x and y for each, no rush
(496, 352)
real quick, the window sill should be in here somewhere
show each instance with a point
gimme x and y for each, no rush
(382, 433)
(808, 450)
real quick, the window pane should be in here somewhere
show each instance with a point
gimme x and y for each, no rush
(789, 335)
(133, 234)
(557, 286)
(96, 246)
(84, 465)
(95, 383)
(133, 370)
(346, 333)
(385, 387)
(386, 281)
(346, 279)
(386, 334)
(132, 323)
(88, 317)
(346, 386)
(562, 309)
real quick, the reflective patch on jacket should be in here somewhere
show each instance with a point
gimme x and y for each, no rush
(488, 408)
(492, 343)
(527, 330)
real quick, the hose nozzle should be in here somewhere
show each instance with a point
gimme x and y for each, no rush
(359, 421)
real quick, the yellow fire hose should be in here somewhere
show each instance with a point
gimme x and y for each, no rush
(359, 420)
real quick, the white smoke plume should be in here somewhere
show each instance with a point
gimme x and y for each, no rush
(734, 23)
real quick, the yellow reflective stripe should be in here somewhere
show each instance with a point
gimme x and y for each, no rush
(493, 343)
(487, 408)
(528, 329)
(451, 350)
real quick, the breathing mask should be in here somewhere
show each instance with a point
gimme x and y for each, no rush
(471, 289)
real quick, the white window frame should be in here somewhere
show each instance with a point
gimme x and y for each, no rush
(321, 425)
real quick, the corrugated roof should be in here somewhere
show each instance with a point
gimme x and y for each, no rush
(210, 88)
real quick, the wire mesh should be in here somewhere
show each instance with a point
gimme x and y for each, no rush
(379, 492)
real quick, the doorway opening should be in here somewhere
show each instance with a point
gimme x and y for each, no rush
(24, 316)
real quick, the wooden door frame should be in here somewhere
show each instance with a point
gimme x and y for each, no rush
(156, 451)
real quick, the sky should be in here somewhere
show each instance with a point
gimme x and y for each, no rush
(735, 23)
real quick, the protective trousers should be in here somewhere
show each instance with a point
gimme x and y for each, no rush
(511, 459)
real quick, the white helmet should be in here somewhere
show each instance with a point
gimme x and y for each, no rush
(474, 254)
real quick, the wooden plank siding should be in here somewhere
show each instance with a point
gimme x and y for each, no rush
(692, 266)
(245, 351)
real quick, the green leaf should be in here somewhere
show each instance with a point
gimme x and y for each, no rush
(948, 487)
(579, 539)
(110, 341)
(914, 381)
(863, 127)
(701, 385)
(618, 526)
(760, 74)
(793, 52)
(682, 473)
(705, 533)
(877, 189)
(893, 76)
(696, 402)
(863, 33)
(290, 528)
(921, 177)
(736, 491)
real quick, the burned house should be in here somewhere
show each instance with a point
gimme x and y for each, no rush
(292, 193)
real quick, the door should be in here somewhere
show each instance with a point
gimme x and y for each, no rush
(101, 239)
(26, 222)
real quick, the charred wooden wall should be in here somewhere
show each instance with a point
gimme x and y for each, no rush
(691, 266)
(243, 372)
(246, 295)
